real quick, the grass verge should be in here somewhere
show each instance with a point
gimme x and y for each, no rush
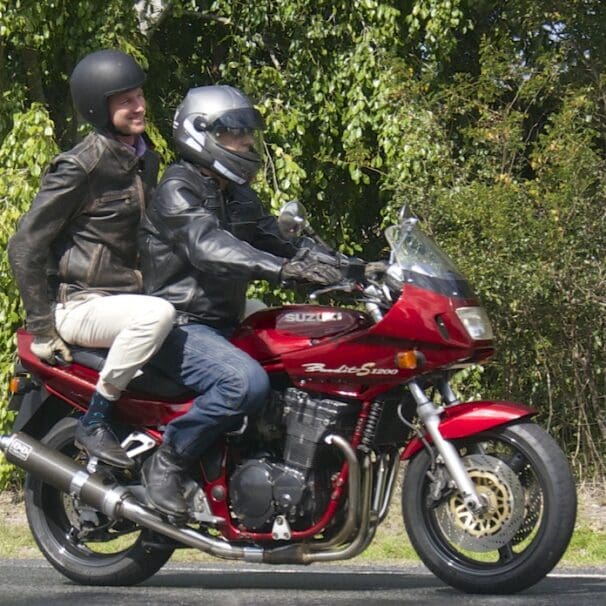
(391, 545)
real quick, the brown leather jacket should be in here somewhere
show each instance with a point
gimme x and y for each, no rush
(80, 233)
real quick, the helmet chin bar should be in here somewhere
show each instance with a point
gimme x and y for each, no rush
(225, 172)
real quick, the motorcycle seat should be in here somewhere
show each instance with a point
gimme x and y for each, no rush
(148, 380)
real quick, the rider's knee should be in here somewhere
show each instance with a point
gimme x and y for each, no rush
(157, 317)
(245, 388)
(258, 392)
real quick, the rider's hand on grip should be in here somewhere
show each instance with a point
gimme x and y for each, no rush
(48, 346)
(310, 271)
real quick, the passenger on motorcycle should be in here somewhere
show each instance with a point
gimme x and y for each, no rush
(205, 236)
(78, 243)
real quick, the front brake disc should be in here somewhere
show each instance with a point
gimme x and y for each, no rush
(499, 487)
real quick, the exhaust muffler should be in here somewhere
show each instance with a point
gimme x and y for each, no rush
(115, 501)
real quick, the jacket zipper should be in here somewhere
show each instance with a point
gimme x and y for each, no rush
(141, 193)
(95, 260)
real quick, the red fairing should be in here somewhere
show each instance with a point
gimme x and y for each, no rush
(413, 317)
(353, 357)
(472, 418)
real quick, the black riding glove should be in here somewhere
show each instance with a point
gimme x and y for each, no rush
(310, 271)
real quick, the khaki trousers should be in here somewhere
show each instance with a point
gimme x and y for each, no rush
(132, 326)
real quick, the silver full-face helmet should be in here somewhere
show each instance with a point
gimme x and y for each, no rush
(219, 128)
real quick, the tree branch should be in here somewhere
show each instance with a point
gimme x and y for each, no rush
(33, 75)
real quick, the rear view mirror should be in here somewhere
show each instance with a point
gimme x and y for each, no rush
(292, 220)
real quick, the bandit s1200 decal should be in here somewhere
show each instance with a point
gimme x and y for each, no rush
(369, 368)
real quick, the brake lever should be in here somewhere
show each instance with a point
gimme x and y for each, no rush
(345, 286)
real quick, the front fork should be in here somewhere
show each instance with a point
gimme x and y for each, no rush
(430, 417)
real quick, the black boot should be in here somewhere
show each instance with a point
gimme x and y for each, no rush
(99, 441)
(162, 476)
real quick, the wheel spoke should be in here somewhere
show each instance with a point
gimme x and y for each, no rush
(72, 536)
(506, 553)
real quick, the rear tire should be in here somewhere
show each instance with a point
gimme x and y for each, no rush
(57, 522)
(526, 478)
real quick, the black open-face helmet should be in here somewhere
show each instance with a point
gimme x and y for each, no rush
(205, 118)
(99, 75)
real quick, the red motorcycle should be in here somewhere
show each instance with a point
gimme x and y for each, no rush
(488, 498)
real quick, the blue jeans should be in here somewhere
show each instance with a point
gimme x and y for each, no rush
(231, 384)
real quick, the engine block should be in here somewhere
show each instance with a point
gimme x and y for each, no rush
(308, 420)
(299, 485)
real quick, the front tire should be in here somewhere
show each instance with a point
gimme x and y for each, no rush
(524, 476)
(82, 543)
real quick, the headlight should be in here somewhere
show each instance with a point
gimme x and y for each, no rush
(476, 323)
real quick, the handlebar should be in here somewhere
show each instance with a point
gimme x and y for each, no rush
(344, 286)
(355, 277)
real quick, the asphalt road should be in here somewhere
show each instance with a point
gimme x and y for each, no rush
(35, 583)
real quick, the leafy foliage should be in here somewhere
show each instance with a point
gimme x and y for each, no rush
(23, 156)
(487, 118)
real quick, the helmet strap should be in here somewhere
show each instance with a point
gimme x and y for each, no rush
(222, 182)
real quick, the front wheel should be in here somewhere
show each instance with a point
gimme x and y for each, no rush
(80, 542)
(524, 478)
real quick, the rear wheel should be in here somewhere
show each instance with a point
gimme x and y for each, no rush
(524, 477)
(80, 542)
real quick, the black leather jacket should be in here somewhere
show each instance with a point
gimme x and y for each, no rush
(80, 233)
(200, 246)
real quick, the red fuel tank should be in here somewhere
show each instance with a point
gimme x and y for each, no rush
(272, 332)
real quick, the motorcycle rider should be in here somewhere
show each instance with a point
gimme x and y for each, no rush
(206, 234)
(78, 243)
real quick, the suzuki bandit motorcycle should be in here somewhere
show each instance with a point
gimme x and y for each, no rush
(358, 392)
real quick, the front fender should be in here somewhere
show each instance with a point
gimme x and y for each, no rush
(469, 418)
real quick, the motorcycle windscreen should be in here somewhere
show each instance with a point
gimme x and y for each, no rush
(423, 264)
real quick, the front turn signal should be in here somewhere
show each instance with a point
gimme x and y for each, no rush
(410, 359)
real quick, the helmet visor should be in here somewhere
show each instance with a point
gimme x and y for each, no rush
(242, 118)
(243, 142)
(240, 131)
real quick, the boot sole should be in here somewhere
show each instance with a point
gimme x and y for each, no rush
(181, 517)
(129, 466)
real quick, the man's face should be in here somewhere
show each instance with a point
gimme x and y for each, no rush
(238, 140)
(127, 111)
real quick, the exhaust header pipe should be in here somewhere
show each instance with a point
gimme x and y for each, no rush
(116, 502)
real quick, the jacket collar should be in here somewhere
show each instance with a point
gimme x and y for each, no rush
(123, 153)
